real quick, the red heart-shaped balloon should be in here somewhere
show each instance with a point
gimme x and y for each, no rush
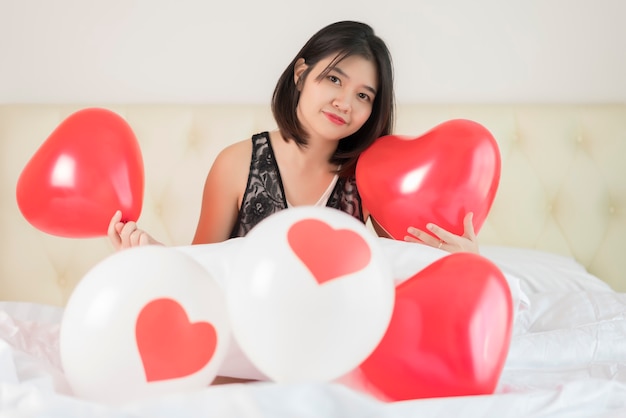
(89, 167)
(438, 177)
(169, 345)
(449, 334)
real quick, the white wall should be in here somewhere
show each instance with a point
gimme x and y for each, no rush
(233, 51)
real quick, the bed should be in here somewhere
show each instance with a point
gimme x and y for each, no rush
(556, 230)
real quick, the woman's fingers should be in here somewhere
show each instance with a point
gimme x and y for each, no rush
(145, 239)
(113, 231)
(441, 233)
(127, 235)
(135, 238)
(446, 240)
(468, 227)
(419, 236)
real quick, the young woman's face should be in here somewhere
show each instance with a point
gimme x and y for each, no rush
(340, 103)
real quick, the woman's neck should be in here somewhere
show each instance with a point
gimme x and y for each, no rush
(313, 156)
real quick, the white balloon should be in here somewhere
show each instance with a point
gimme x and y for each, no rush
(143, 322)
(219, 258)
(310, 295)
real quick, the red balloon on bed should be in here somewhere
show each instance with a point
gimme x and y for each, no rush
(89, 167)
(449, 334)
(438, 177)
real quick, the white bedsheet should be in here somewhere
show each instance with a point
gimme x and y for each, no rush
(567, 359)
(561, 365)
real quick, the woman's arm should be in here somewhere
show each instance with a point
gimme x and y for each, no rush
(223, 192)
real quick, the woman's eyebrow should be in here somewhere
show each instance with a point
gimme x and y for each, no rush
(343, 74)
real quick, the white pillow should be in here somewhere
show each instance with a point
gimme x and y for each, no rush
(541, 271)
(408, 258)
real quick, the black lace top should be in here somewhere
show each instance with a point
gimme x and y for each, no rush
(265, 195)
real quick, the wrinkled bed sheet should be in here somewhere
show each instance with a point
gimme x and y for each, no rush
(562, 362)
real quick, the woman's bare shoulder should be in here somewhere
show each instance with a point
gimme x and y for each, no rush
(236, 151)
(233, 159)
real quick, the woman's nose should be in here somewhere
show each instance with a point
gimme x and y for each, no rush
(342, 103)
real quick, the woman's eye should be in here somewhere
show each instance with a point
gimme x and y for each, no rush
(333, 79)
(364, 96)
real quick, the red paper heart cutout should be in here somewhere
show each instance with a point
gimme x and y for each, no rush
(438, 177)
(169, 345)
(328, 253)
(449, 334)
(89, 167)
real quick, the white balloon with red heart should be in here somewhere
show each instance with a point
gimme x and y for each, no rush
(311, 294)
(143, 322)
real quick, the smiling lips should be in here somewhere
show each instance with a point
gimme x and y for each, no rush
(337, 120)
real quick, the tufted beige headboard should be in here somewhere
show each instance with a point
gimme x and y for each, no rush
(563, 184)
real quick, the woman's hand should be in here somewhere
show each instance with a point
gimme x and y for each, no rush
(126, 234)
(447, 240)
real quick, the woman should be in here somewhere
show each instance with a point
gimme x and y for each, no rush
(332, 101)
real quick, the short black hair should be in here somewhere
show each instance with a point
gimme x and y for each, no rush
(341, 39)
